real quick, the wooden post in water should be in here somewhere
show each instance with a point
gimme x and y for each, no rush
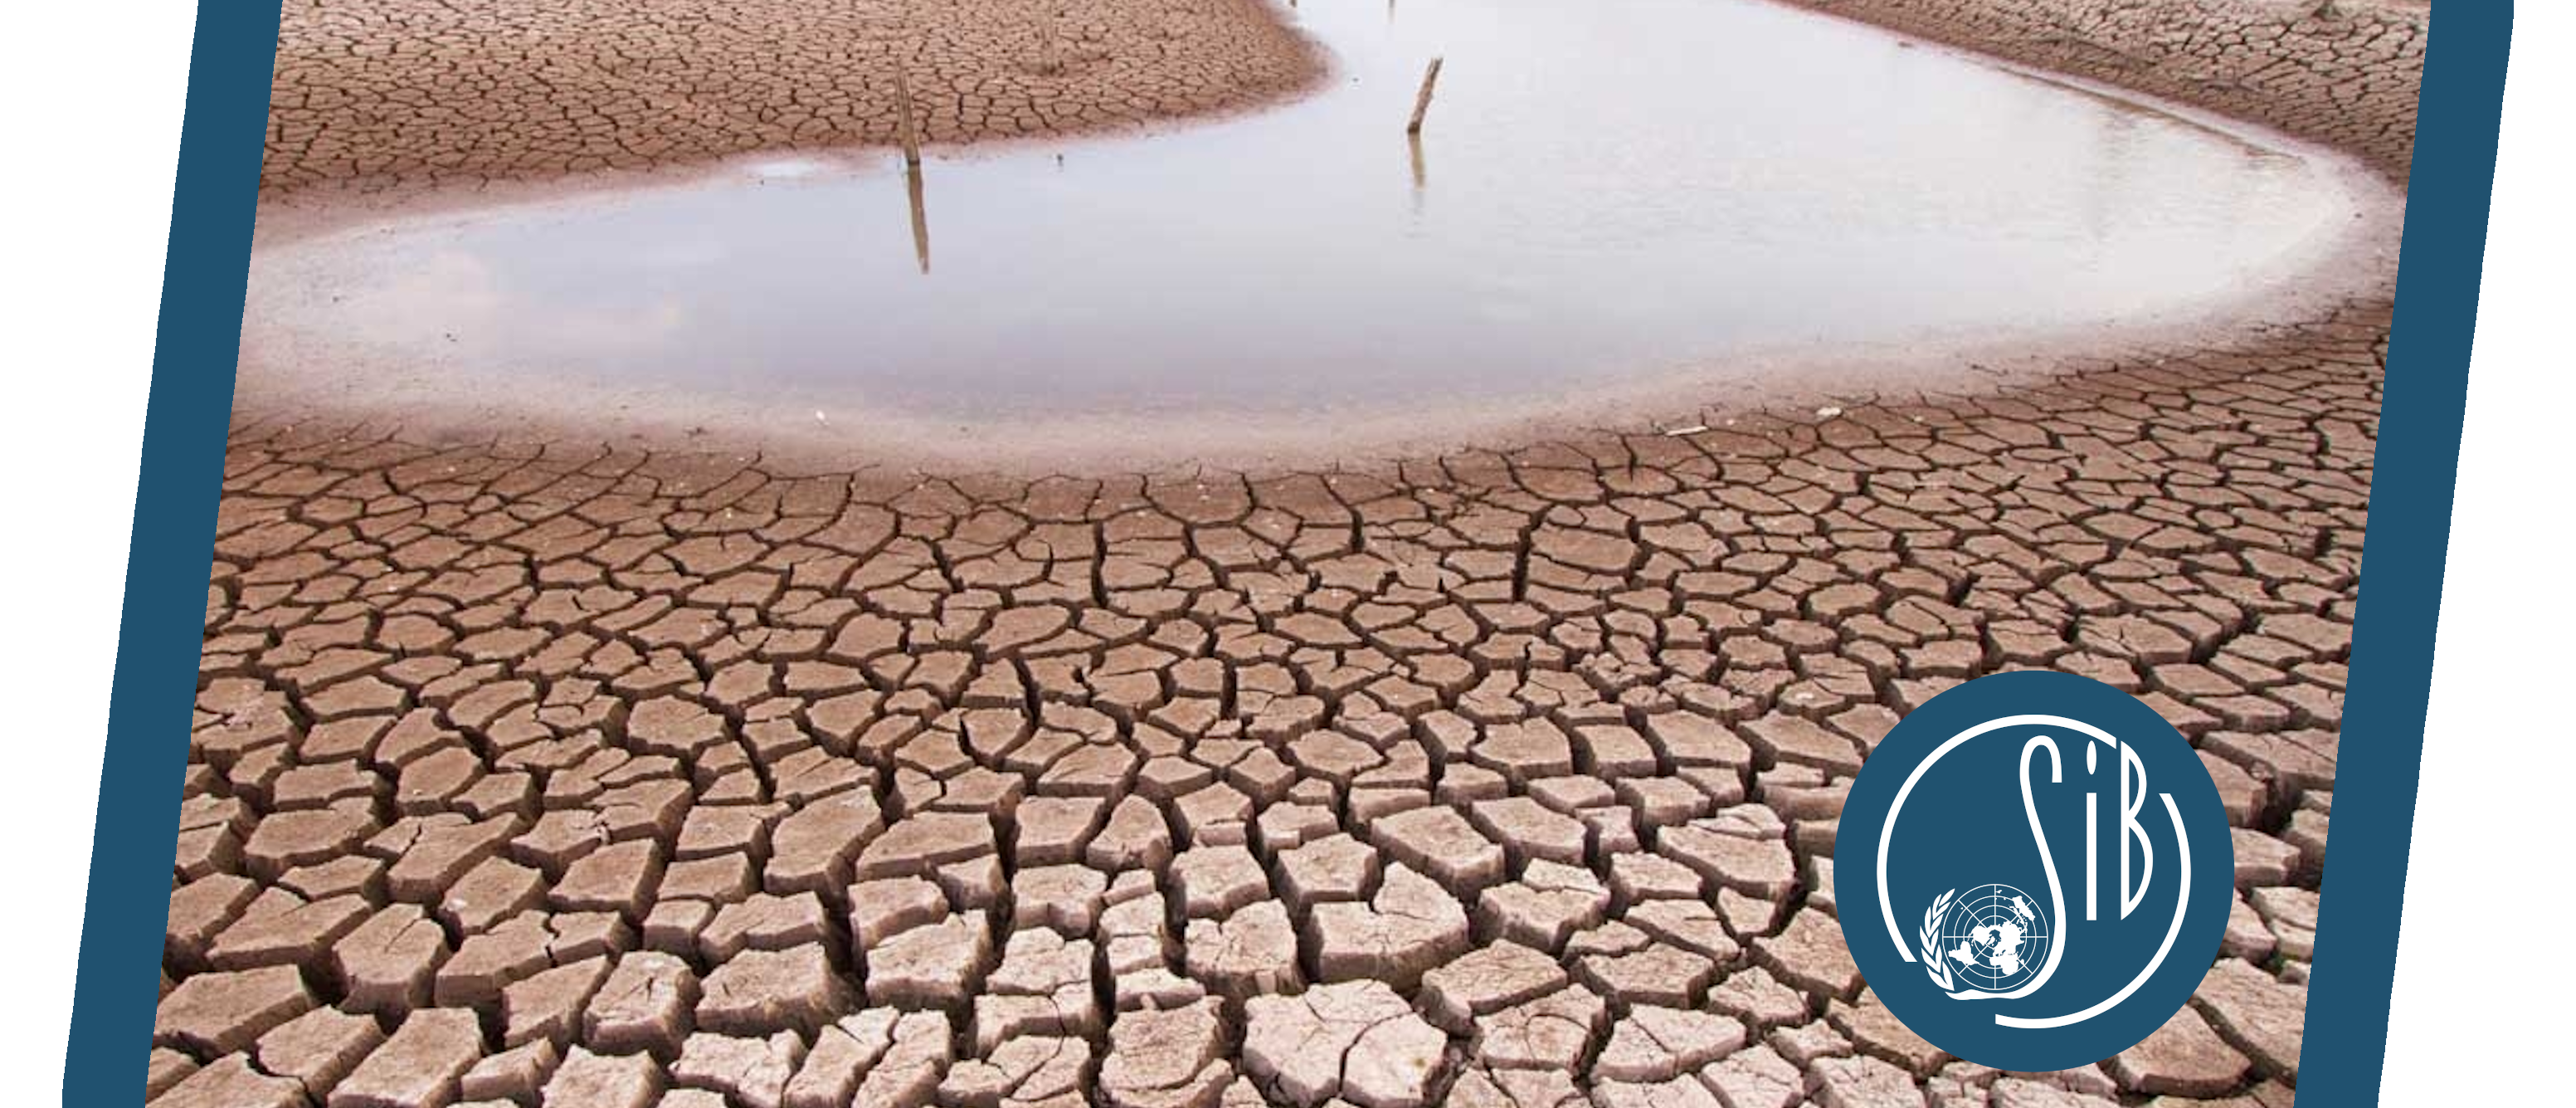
(904, 122)
(1422, 100)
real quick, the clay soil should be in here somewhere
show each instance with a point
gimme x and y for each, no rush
(375, 94)
(568, 773)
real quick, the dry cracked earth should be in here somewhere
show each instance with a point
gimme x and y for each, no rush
(381, 93)
(575, 776)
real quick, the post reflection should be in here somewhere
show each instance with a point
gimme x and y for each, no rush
(1421, 177)
(920, 216)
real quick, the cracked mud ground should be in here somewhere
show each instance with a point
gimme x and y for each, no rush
(381, 93)
(564, 775)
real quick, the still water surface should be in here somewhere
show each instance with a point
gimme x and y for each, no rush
(1605, 187)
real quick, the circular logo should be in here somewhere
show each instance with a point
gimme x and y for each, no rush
(2033, 871)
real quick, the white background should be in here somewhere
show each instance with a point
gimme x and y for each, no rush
(93, 97)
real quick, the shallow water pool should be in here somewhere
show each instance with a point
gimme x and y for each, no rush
(1604, 188)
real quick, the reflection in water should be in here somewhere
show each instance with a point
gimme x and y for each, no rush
(920, 217)
(2113, 146)
(1625, 184)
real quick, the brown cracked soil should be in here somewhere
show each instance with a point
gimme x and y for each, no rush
(409, 92)
(558, 773)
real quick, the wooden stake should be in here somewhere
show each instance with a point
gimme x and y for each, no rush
(903, 113)
(1422, 100)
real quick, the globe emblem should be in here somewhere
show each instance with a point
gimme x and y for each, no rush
(1994, 937)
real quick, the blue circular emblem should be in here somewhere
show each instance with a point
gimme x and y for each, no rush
(2033, 871)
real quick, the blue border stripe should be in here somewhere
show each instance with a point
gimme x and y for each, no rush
(183, 444)
(2381, 754)
(163, 625)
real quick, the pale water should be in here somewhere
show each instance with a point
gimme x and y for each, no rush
(1604, 188)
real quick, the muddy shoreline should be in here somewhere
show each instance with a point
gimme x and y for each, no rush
(2345, 73)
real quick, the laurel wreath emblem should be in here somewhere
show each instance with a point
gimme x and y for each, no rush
(1931, 935)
